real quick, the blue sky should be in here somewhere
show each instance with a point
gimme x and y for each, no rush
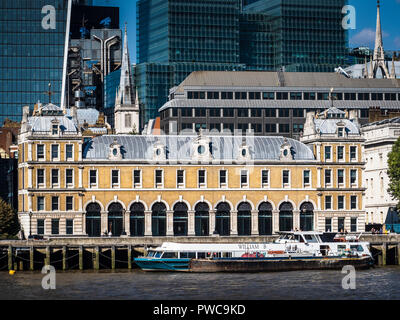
(363, 35)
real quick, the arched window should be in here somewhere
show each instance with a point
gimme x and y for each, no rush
(158, 219)
(201, 219)
(223, 219)
(115, 219)
(307, 216)
(286, 217)
(136, 220)
(244, 219)
(93, 220)
(265, 219)
(180, 219)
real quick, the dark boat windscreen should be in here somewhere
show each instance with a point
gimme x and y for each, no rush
(328, 236)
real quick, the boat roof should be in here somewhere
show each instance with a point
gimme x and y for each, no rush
(301, 232)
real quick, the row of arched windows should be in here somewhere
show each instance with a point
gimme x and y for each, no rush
(201, 219)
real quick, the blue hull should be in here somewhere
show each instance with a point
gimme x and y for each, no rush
(149, 264)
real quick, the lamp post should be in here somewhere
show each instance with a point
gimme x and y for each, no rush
(123, 222)
(30, 225)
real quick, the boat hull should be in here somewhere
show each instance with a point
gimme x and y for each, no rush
(147, 264)
(277, 265)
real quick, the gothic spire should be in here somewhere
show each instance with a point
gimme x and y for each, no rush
(379, 54)
(125, 92)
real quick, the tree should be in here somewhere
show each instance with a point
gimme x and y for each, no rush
(9, 224)
(394, 171)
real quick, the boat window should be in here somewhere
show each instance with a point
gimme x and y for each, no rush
(358, 248)
(150, 253)
(310, 238)
(341, 248)
(201, 255)
(227, 255)
(158, 254)
(170, 255)
(186, 255)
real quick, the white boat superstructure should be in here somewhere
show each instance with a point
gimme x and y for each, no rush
(294, 244)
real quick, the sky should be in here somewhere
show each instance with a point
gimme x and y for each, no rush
(362, 35)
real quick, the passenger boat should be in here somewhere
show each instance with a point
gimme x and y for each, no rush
(291, 251)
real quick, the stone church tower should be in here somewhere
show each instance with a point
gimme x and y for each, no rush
(126, 111)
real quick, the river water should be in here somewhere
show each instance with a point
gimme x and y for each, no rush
(376, 283)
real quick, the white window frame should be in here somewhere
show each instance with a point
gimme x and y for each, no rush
(204, 185)
(289, 178)
(344, 202)
(247, 184)
(115, 185)
(325, 202)
(337, 178)
(265, 185)
(305, 185)
(44, 152)
(58, 152)
(44, 204)
(344, 154)
(160, 185)
(43, 185)
(70, 185)
(223, 185)
(330, 183)
(356, 158)
(354, 184)
(356, 208)
(58, 203)
(73, 151)
(57, 185)
(67, 202)
(330, 152)
(183, 184)
(137, 185)
(97, 179)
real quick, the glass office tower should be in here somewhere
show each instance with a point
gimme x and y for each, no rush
(308, 33)
(30, 56)
(176, 37)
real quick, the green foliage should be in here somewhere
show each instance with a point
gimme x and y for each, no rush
(9, 224)
(394, 171)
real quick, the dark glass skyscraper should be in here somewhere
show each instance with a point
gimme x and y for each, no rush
(31, 56)
(177, 37)
(308, 34)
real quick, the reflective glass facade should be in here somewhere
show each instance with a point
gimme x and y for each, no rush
(177, 37)
(111, 83)
(308, 33)
(30, 56)
(188, 31)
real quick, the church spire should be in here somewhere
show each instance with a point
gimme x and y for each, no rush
(125, 92)
(379, 54)
(126, 113)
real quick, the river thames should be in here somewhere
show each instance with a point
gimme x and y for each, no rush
(377, 283)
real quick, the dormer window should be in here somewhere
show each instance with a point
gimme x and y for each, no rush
(54, 130)
(340, 132)
(244, 152)
(115, 151)
(201, 148)
(286, 153)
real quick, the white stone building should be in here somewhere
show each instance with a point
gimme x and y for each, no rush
(379, 139)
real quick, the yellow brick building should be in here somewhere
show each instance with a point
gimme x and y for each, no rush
(195, 185)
